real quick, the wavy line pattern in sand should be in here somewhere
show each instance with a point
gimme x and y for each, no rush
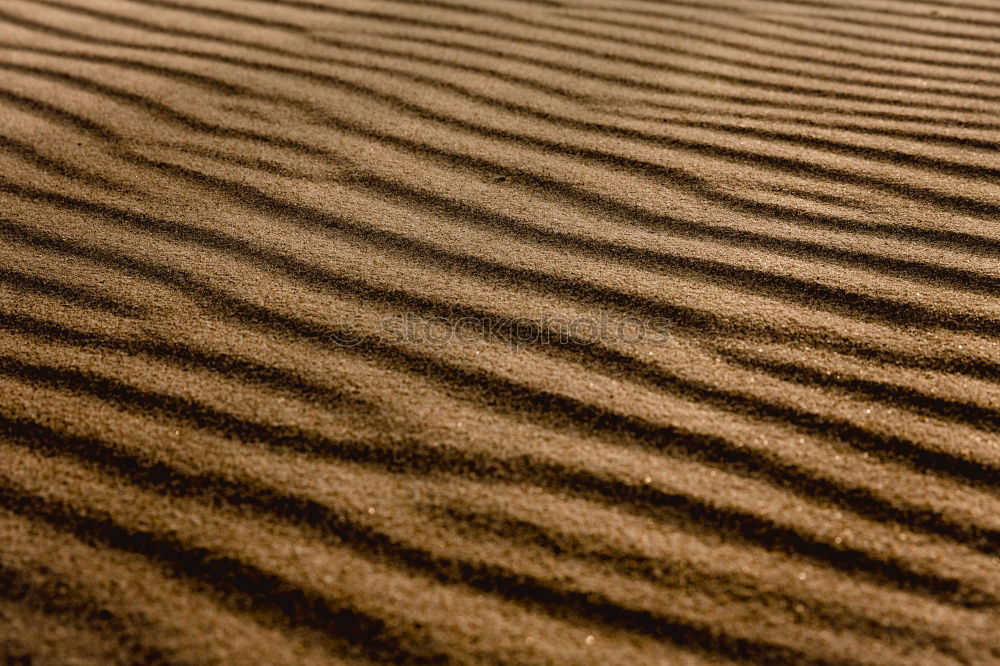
(501, 331)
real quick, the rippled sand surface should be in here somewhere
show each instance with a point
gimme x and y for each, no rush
(499, 331)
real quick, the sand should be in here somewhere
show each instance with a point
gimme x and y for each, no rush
(499, 331)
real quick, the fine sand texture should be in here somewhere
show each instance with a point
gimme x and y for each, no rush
(604, 332)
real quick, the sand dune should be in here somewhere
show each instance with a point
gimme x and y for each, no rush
(499, 331)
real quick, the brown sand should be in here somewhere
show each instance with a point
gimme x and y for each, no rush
(235, 235)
